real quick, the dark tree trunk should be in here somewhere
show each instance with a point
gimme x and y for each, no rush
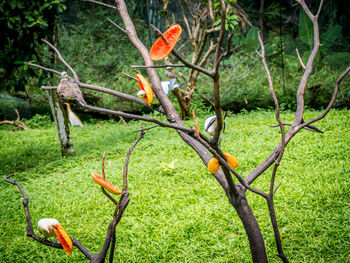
(184, 103)
(60, 118)
(256, 241)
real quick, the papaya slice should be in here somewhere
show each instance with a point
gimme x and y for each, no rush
(105, 184)
(213, 165)
(231, 160)
(63, 237)
(160, 49)
(144, 85)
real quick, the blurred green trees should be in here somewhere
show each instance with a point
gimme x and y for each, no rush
(99, 52)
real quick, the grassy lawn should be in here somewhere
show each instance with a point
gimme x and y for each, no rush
(178, 214)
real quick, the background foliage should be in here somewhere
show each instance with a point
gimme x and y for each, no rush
(99, 53)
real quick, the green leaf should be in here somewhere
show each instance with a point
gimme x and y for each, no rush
(306, 30)
(252, 41)
(253, 33)
(44, 23)
(13, 4)
(331, 35)
(217, 23)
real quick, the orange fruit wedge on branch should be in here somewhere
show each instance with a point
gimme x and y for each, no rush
(105, 184)
(145, 86)
(160, 49)
(214, 165)
(231, 160)
(63, 237)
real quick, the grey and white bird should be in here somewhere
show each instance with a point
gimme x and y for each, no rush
(69, 90)
(210, 125)
(167, 86)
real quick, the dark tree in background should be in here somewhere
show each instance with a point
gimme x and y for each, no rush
(22, 24)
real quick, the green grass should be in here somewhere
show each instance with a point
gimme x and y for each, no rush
(180, 214)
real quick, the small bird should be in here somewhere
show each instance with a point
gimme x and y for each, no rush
(50, 226)
(72, 117)
(69, 90)
(210, 125)
(167, 86)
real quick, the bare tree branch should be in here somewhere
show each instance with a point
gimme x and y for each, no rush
(309, 127)
(189, 31)
(131, 77)
(336, 87)
(43, 68)
(300, 60)
(308, 68)
(159, 66)
(100, 3)
(114, 24)
(75, 76)
(215, 76)
(17, 123)
(189, 131)
(93, 87)
(125, 171)
(190, 65)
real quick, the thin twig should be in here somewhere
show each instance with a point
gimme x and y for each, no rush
(131, 77)
(215, 71)
(125, 171)
(334, 96)
(109, 196)
(75, 76)
(123, 121)
(43, 68)
(190, 65)
(160, 34)
(144, 118)
(269, 198)
(114, 24)
(274, 192)
(220, 39)
(145, 129)
(100, 3)
(17, 123)
(159, 66)
(300, 60)
(309, 65)
(309, 128)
